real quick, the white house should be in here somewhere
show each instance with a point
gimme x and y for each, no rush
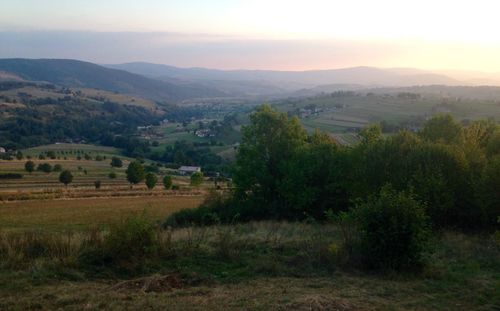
(189, 170)
(2, 150)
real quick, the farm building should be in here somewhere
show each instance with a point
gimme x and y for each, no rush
(2, 150)
(189, 170)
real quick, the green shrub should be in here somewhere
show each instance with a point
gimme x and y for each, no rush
(203, 215)
(29, 166)
(44, 167)
(134, 237)
(128, 245)
(66, 177)
(196, 179)
(217, 208)
(112, 175)
(167, 182)
(151, 180)
(392, 230)
(116, 162)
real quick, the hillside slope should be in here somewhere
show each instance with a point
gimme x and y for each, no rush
(73, 73)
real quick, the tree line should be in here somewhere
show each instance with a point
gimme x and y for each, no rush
(282, 172)
(386, 193)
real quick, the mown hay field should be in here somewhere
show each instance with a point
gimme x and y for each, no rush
(40, 201)
(80, 213)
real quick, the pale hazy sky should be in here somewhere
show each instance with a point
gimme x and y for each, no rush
(261, 34)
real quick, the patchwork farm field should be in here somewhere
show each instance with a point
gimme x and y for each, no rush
(70, 150)
(85, 172)
(348, 112)
(39, 201)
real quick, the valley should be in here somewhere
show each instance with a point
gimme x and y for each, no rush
(185, 192)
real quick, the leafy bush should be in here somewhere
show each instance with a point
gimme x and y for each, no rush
(151, 180)
(167, 182)
(128, 245)
(135, 172)
(44, 167)
(216, 208)
(112, 175)
(203, 215)
(29, 166)
(133, 238)
(196, 179)
(392, 230)
(66, 177)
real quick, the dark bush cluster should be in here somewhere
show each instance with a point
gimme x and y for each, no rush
(447, 175)
(127, 246)
(11, 176)
(393, 230)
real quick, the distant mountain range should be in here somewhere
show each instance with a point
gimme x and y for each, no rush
(368, 76)
(73, 73)
(173, 84)
(282, 81)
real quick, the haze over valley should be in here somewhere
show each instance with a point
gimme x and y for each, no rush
(249, 155)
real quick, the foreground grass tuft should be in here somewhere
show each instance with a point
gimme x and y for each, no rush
(255, 266)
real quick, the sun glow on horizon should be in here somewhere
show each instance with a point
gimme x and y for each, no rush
(431, 34)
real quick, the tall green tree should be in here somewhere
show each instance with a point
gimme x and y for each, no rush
(317, 179)
(442, 128)
(135, 173)
(116, 162)
(29, 166)
(268, 144)
(66, 177)
(490, 191)
(167, 182)
(151, 180)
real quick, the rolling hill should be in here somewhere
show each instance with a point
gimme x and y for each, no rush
(73, 73)
(295, 80)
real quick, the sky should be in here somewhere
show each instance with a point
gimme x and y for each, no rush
(257, 34)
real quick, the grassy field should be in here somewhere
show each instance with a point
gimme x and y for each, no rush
(253, 266)
(355, 111)
(256, 266)
(80, 213)
(48, 233)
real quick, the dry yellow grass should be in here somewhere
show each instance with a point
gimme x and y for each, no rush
(81, 213)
